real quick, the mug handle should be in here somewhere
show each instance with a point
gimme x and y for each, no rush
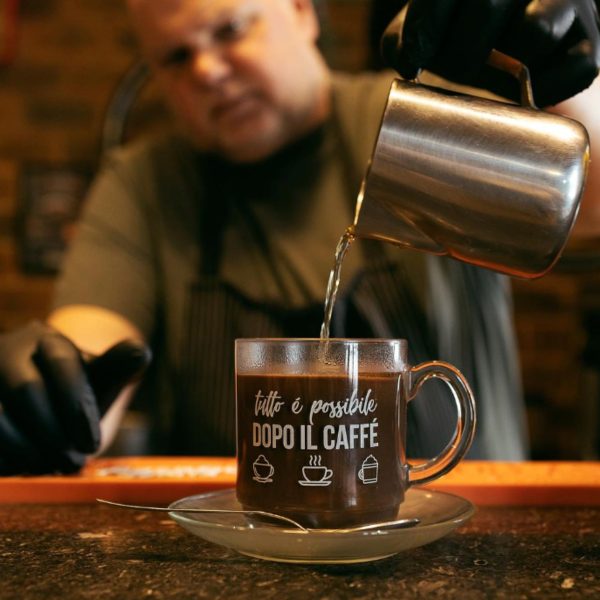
(461, 441)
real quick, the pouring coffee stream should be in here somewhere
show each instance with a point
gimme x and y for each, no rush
(334, 280)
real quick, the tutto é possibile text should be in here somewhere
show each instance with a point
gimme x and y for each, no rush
(275, 433)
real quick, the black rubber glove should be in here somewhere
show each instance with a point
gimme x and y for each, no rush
(51, 400)
(559, 40)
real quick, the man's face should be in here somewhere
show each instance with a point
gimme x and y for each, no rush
(243, 77)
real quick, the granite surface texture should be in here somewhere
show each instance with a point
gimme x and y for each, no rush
(92, 551)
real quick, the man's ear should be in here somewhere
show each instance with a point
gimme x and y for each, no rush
(307, 17)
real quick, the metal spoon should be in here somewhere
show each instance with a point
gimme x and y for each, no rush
(225, 511)
(384, 525)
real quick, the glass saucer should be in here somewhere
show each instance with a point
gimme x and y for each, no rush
(439, 514)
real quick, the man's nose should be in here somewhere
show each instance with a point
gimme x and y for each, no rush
(209, 67)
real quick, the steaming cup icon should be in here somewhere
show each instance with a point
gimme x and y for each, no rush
(314, 474)
(317, 474)
(369, 470)
(263, 470)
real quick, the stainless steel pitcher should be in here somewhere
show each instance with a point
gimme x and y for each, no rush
(485, 182)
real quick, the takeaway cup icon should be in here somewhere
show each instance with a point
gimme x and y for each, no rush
(369, 470)
(263, 470)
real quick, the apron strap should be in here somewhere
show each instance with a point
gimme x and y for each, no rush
(214, 212)
(217, 314)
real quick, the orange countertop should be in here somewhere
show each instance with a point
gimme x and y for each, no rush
(161, 480)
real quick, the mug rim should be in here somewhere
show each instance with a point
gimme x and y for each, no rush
(356, 340)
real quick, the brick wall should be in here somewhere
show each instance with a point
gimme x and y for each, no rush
(53, 96)
(552, 338)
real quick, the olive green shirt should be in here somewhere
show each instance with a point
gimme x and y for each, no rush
(161, 219)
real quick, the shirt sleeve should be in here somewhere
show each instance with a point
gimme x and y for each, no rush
(110, 262)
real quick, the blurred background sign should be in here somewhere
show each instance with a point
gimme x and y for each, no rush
(8, 30)
(51, 196)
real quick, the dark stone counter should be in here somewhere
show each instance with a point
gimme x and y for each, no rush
(92, 551)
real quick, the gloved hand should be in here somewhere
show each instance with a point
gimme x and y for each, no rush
(559, 40)
(51, 400)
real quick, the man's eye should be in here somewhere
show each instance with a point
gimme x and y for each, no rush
(234, 29)
(177, 57)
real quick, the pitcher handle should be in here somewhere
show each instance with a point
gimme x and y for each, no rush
(461, 441)
(512, 66)
(517, 69)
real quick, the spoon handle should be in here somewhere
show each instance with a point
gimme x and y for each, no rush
(384, 525)
(398, 524)
(226, 511)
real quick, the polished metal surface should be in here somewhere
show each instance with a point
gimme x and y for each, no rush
(487, 183)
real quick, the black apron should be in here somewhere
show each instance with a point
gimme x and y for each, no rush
(377, 303)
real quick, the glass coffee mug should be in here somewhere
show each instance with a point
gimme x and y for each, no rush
(321, 427)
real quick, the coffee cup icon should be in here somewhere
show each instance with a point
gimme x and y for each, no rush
(369, 470)
(263, 469)
(316, 475)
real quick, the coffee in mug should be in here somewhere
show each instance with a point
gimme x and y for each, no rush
(321, 427)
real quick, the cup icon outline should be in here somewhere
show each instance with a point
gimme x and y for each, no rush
(369, 470)
(315, 474)
(258, 467)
